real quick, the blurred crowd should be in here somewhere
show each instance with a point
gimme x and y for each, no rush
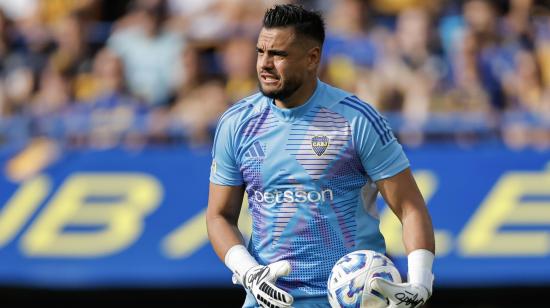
(103, 73)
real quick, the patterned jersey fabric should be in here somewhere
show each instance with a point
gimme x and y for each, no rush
(309, 173)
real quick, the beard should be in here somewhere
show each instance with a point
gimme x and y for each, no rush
(288, 88)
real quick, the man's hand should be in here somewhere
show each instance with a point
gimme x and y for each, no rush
(260, 280)
(400, 294)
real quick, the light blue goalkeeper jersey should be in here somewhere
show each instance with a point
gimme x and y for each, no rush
(309, 173)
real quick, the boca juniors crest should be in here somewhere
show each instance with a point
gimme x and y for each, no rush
(319, 144)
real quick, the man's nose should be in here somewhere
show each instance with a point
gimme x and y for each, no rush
(266, 61)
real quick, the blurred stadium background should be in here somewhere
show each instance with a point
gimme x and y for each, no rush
(107, 113)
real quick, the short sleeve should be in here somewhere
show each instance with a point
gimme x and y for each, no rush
(381, 154)
(225, 170)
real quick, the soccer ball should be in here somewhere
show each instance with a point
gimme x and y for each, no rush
(348, 280)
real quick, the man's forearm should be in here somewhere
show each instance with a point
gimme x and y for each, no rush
(222, 234)
(418, 237)
(418, 231)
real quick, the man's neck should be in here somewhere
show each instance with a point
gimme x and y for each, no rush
(298, 98)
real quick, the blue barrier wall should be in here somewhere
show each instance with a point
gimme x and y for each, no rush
(136, 218)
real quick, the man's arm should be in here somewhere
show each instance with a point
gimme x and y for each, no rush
(404, 198)
(222, 214)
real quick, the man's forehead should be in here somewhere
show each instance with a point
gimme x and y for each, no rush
(276, 37)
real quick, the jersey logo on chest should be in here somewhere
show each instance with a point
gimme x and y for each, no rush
(257, 150)
(318, 140)
(319, 144)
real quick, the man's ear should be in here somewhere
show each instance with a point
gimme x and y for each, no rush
(314, 57)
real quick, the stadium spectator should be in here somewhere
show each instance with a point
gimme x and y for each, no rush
(71, 53)
(18, 86)
(238, 61)
(150, 52)
(467, 93)
(107, 113)
(53, 95)
(349, 52)
(523, 85)
(212, 21)
(196, 112)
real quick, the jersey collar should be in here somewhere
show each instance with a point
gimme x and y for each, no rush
(292, 114)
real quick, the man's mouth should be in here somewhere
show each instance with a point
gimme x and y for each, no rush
(269, 78)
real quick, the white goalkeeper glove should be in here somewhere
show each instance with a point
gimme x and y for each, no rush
(259, 279)
(400, 294)
(410, 294)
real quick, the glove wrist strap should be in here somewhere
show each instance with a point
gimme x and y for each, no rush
(420, 263)
(239, 261)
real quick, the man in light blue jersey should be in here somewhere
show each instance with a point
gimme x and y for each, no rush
(311, 159)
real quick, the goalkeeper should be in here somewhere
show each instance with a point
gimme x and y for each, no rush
(312, 159)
